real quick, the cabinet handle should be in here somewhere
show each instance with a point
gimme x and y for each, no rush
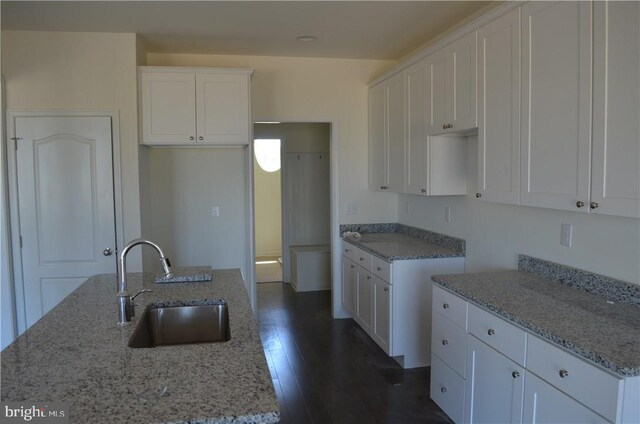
(201, 138)
(445, 342)
(443, 389)
(491, 332)
(386, 289)
(423, 190)
(384, 187)
(579, 203)
(593, 205)
(564, 373)
(445, 306)
(192, 138)
(515, 374)
(478, 195)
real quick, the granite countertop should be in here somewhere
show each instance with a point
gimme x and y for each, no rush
(78, 354)
(395, 242)
(590, 325)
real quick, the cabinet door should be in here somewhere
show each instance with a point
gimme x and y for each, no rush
(494, 385)
(556, 104)
(616, 108)
(349, 281)
(437, 91)
(378, 172)
(222, 104)
(499, 110)
(395, 132)
(416, 136)
(544, 403)
(462, 88)
(168, 103)
(364, 308)
(382, 314)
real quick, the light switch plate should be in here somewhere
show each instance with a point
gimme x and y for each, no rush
(447, 214)
(215, 211)
(566, 234)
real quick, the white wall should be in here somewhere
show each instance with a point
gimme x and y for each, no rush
(497, 233)
(268, 211)
(81, 71)
(312, 89)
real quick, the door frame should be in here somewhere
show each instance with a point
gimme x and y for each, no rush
(334, 201)
(12, 171)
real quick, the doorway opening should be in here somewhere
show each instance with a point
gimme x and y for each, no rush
(292, 184)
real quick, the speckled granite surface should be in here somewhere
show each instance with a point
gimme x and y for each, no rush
(401, 242)
(78, 354)
(587, 324)
(186, 274)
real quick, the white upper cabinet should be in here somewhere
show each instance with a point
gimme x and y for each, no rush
(194, 105)
(615, 180)
(556, 104)
(499, 110)
(395, 131)
(378, 169)
(416, 136)
(452, 87)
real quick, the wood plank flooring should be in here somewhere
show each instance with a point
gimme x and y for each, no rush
(330, 371)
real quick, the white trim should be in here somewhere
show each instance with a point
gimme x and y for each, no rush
(444, 41)
(334, 189)
(11, 115)
(203, 70)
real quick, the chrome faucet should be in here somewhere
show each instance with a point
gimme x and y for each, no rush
(125, 301)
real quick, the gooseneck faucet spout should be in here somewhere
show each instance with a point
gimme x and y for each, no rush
(125, 304)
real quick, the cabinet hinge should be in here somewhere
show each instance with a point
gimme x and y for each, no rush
(15, 141)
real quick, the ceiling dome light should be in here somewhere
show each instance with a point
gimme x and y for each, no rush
(267, 152)
(306, 38)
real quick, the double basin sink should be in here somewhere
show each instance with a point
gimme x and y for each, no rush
(177, 325)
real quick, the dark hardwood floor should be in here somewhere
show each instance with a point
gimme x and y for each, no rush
(330, 371)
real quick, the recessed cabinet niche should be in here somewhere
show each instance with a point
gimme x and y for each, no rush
(183, 106)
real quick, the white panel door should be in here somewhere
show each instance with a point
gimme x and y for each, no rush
(395, 131)
(364, 307)
(222, 104)
(463, 77)
(349, 282)
(556, 104)
(66, 206)
(499, 110)
(382, 314)
(616, 109)
(378, 171)
(494, 385)
(416, 136)
(168, 107)
(437, 91)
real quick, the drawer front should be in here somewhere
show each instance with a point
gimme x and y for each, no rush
(447, 389)
(449, 343)
(349, 250)
(584, 382)
(363, 259)
(450, 306)
(381, 268)
(506, 338)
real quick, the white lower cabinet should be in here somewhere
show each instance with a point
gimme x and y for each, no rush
(494, 385)
(382, 313)
(364, 313)
(447, 389)
(543, 404)
(349, 282)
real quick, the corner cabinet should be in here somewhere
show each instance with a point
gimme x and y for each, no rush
(391, 301)
(194, 106)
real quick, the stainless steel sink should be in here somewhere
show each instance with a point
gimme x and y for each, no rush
(174, 325)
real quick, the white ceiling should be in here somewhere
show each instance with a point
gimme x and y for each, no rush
(345, 29)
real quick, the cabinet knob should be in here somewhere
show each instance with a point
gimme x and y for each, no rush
(445, 306)
(352, 266)
(378, 268)
(593, 205)
(361, 259)
(368, 277)
(449, 125)
(201, 138)
(491, 332)
(386, 289)
(515, 374)
(443, 389)
(445, 342)
(579, 203)
(346, 250)
(384, 187)
(107, 251)
(564, 373)
(192, 138)
(444, 126)
(423, 190)
(478, 195)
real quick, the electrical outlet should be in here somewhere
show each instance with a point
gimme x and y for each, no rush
(215, 211)
(566, 234)
(447, 214)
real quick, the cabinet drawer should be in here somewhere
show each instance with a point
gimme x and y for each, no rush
(496, 332)
(349, 250)
(447, 389)
(450, 306)
(449, 342)
(363, 258)
(381, 268)
(584, 382)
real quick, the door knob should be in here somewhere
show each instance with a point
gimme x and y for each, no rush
(107, 251)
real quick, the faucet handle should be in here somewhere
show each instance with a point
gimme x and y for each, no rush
(140, 292)
(132, 306)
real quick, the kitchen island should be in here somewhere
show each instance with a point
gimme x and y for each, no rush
(79, 355)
